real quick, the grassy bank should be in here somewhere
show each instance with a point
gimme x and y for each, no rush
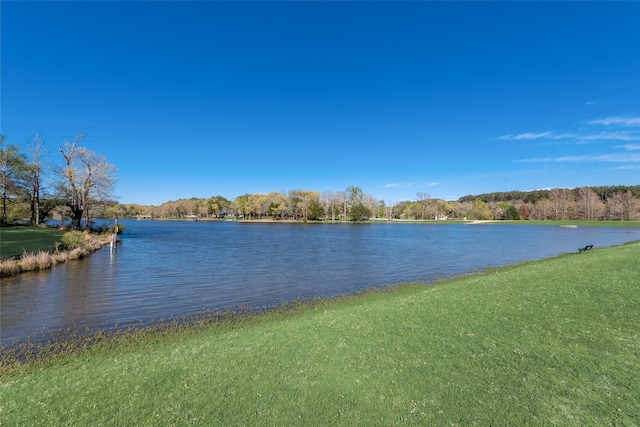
(553, 342)
(39, 248)
(16, 240)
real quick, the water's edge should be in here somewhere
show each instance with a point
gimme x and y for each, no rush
(164, 270)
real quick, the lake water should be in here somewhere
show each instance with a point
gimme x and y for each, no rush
(164, 270)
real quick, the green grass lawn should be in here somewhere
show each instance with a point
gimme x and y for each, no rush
(15, 240)
(552, 342)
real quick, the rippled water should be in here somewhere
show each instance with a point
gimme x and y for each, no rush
(174, 269)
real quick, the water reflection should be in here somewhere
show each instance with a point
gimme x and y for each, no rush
(174, 269)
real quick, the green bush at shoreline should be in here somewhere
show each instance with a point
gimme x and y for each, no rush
(551, 342)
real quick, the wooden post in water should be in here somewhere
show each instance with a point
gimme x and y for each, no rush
(114, 237)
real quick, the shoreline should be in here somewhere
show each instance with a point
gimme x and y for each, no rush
(45, 260)
(72, 339)
(551, 333)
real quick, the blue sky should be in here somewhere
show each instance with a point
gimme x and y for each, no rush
(196, 99)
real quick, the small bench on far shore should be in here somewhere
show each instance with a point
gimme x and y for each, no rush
(586, 248)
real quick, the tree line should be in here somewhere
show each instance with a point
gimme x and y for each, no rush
(531, 197)
(303, 205)
(80, 186)
(615, 203)
(34, 187)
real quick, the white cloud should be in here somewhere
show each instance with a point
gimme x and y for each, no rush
(630, 155)
(624, 121)
(411, 184)
(620, 136)
(612, 136)
(586, 136)
(588, 158)
(526, 136)
(617, 158)
(398, 185)
(541, 135)
(627, 167)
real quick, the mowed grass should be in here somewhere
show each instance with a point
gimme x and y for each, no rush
(552, 342)
(16, 240)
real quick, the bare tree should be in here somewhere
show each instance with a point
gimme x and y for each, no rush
(372, 204)
(388, 210)
(631, 206)
(88, 178)
(36, 152)
(541, 209)
(615, 207)
(561, 199)
(589, 203)
(423, 199)
(341, 200)
(329, 199)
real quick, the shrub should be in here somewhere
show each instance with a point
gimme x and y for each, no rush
(8, 267)
(359, 212)
(119, 229)
(73, 239)
(104, 228)
(511, 214)
(35, 261)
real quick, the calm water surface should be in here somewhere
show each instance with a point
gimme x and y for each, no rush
(166, 270)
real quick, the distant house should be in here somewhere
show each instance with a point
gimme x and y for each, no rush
(143, 217)
(191, 217)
